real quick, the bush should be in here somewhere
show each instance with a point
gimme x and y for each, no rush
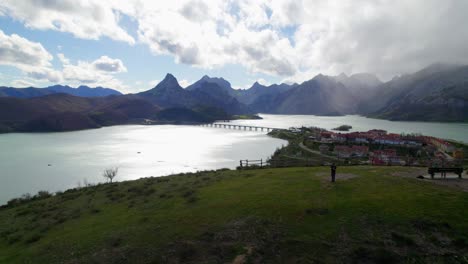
(43, 195)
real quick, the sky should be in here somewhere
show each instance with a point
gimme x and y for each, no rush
(130, 45)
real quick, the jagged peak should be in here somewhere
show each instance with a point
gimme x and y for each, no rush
(169, 76)
(168, 81)
(322, 77)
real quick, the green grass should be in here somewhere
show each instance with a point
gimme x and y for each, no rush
(291, 215)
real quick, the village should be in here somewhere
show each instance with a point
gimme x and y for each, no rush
(378, 147)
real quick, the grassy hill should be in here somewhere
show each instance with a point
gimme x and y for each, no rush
(293, 215)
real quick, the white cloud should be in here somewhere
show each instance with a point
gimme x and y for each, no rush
(23, 54)
(291, 39)
(63, 59)
(97, 73)
(22, 83)
(184, 83)
(82, 18)
(218, 38)
(110, 65)
(264, 82)
(35, 62)
(384, 37)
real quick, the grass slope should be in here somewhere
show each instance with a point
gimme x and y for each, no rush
(291, 215)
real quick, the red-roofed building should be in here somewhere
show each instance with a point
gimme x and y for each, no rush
(385, 157)
(360, 151)
(440, 144)
(342, 151)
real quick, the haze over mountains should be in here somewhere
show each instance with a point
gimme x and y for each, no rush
(436, 93)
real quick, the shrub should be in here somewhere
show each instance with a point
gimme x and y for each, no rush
(43, 195)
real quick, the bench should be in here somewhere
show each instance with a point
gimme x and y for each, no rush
(433, 171)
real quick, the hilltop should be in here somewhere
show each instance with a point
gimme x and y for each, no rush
(293, 215)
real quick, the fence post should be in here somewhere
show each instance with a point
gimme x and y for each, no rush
(261, 163)
(246, 163)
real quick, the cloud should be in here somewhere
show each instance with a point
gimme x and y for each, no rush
(97, 73)
(263, 82)
(291, 39)
(35, 62)
(384, 37)
(63, 59)
(107, 64)
(45, 74)
(22, 83)
(184, 83)
(23, 54)
(82, 18)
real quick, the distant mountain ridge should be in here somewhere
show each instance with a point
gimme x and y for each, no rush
(436, 93)
(206, 92)
(82, 91)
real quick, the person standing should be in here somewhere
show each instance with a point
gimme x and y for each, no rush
(333, 172)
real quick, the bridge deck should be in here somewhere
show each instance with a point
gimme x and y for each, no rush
(240, 127)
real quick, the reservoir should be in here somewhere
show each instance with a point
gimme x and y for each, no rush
(30, 162)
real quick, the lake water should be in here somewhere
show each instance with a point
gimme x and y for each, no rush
(81, 156)
(78, 157)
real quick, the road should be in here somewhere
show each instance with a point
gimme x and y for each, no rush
(302, 146)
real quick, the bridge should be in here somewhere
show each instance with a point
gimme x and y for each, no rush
(240, 127)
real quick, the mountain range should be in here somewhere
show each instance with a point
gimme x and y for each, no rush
(436, 93)
(83, 91)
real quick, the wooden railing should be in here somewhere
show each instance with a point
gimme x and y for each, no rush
(252, 163)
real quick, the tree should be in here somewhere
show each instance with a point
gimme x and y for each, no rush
(110, 173)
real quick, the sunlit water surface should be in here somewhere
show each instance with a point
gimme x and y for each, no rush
(31, 162)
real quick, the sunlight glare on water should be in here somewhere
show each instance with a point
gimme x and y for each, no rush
(138, 151)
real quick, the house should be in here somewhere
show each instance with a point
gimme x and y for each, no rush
(339, 137)
(440, 144)
(458, 154)
(358, 137)
(389, 139)
(324, 149)
(360, 151)
(386, 157)
(342, 151)
(353, 151)
(326, 134)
